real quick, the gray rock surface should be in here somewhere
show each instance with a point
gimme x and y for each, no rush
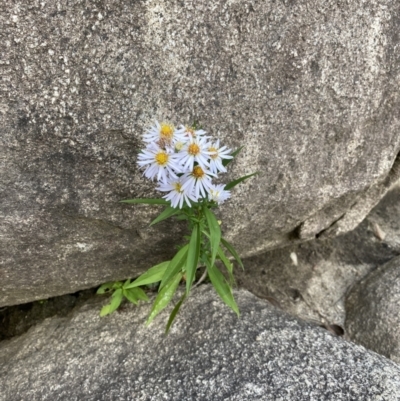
(209, 354)
(310, 89)
(311, 280)
(373, 317)
(384, 220)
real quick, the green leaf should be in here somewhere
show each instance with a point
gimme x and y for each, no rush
(215, 232)
(105, 310)
(238, 181)
(130, 295)
(222, 287)
(153, 275)
(174, 266)
(182, 217)
(225, 162)
(174, 313)
(114, 304)
(225, 260)
(164, 297)
(193, 256)
(105, 288)
(232, 251)
(227, 263)
(167, 212)
(140, 294)
(147, 201)
(206, 234)
(134, 295)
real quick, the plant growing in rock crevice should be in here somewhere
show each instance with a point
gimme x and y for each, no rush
(184, 161)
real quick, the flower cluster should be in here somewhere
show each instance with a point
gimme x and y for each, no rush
(184, 160)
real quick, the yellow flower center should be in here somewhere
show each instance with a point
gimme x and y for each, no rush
(198, 172)
(161, 158)
(166, 132)
(193, 149)
(178, 187)
(212, 149)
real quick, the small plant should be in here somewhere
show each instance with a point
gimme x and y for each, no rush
(184, 161)
(120, 290)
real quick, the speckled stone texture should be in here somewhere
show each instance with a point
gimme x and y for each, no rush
(209, 354)
(384, 220)
(372, 307)
(310, 88)
(311, 280)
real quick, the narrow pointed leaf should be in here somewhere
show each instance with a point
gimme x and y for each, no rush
(153, 275)
(174, 266)
(130, 296)
(135, 294)
(164, 297)
(174, 313)
(167, 212)
(228, 265)
(232, 251)
(215, 232)
(146, 201)
(222, 287)
(225, 260)
(140, 294)
(238, 181)
(193, 256)
(225, 162)
(114, 304)
(206, 234)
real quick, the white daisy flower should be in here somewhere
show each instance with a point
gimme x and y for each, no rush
(159, 162)
(164, 135)
(216, 156)
(177, 194)
(195, 150)
(198, 181)
(218, 194)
